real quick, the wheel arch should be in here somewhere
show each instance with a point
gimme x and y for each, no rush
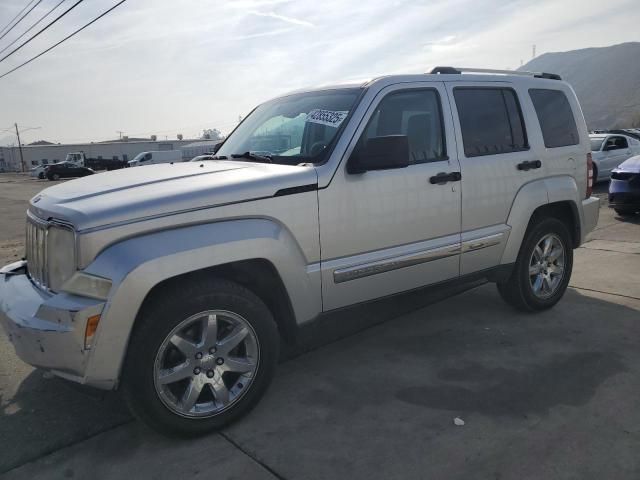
(555, 197)
(256, 274)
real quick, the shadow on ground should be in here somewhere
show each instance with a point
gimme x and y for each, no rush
(549, 395)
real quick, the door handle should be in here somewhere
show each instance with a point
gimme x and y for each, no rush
(442, 178)
(528, 165)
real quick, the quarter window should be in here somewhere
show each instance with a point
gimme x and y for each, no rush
(416, 114)
(556, 117)
(490, 120)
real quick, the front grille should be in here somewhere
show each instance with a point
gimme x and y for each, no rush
(36, 250)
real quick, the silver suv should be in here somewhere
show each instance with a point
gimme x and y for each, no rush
(178, 283)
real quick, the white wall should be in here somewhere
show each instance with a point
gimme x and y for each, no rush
(34, 155)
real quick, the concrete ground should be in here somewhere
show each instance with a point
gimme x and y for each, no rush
(550, 395)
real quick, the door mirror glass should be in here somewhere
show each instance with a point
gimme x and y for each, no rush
(380, 153)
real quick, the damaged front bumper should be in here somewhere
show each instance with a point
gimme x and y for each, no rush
(47, 330)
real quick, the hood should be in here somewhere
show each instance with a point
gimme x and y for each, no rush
(630, 165)
(136, 193)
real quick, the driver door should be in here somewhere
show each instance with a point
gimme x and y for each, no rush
(388, 231)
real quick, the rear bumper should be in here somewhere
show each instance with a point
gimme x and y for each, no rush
(590, 215)
(47, 331)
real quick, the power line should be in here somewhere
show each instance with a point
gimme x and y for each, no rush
(65, 38)
(31, 27)
(20, 19)
(19, 13)
(42, 30)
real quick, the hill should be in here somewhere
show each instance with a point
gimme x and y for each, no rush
(606, 80)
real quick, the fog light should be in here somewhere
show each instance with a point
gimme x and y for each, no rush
(90, 331)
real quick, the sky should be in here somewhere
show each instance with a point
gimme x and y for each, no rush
(180, 66)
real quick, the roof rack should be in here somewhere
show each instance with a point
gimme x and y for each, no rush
(459, 70)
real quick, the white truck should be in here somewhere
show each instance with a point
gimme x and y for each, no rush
(180, 283)
(155, 157)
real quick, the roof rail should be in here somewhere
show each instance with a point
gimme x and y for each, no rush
(458, 70)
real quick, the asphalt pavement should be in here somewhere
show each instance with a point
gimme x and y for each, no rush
(550, 395)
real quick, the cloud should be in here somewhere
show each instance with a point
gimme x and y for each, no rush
(284, 18)
(152, 67)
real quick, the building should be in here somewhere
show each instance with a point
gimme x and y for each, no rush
(35, 155)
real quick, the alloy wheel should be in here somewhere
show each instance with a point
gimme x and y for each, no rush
(547, 266)
(206, 363)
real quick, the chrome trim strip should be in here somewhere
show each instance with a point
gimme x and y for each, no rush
(380, 266)
(482, 242)
(362, 270)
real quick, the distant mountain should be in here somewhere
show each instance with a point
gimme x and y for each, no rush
(606, 80)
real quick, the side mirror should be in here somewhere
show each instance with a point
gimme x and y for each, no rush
(380, 153)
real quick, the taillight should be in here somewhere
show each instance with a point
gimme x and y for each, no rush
(590, 179)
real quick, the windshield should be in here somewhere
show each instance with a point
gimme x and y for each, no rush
(596, 143)
(294, 129)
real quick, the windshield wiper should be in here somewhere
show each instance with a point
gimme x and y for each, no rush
(252, 156)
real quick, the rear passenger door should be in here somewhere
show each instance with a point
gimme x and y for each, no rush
(496, 160)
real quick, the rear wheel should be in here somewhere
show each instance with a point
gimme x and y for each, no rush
(55, 176)
(543, 268)
(200, 358)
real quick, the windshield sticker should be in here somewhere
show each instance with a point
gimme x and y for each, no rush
(326, 117)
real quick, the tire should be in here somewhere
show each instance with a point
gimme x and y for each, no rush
(519, 290)
(41, 176)
(595, 175)
(624, 212)
(55, 176)
(162, 405)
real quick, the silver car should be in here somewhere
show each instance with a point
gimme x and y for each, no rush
(179, 283)
(610, 150)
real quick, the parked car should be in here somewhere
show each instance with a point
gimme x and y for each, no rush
(180, 283)
(38, 172)
(610, 150)
(201, 158)
(151, 158)
(624, 189)
(66, 170)
(80, 159)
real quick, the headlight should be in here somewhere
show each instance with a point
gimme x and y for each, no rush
(61, 256)
(87, 285)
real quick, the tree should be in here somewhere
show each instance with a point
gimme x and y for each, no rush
(211, 134)
(180, 136)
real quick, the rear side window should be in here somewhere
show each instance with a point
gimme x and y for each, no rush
(556, 117)
(490, 120)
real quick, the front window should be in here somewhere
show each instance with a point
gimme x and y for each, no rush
(596, 144)
(295, 129)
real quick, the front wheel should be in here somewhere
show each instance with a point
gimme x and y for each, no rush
(200, 358)
(543, 267)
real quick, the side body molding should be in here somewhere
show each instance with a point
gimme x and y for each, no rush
(137, 264)
(531, 196)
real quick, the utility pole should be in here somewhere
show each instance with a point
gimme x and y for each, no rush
(533, 52)
(120, 132)
(19, 147)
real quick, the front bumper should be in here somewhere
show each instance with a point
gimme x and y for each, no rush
(47, 331)
(590, 215)
(624, 199)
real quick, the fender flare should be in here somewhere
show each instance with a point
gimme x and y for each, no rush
(138, 264)
(529, 198)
